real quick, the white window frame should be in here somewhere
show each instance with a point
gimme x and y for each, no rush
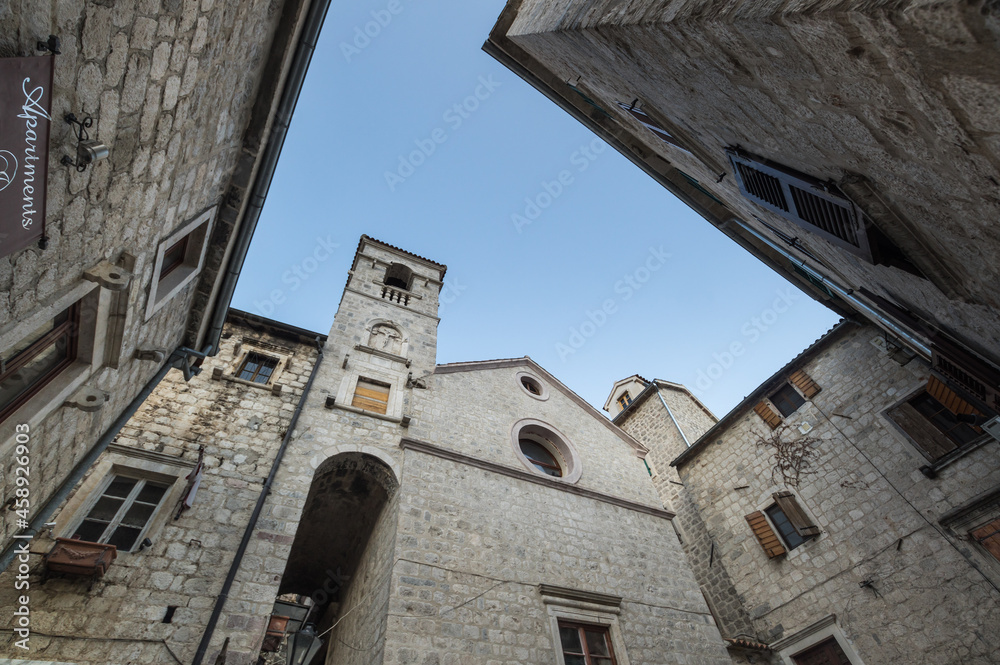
(198, 232)
(121, 460)
(126, 505)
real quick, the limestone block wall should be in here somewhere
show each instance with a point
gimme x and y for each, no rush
(170, 87)
(878, 513)
(120, 619)
(473, 546)
(650, 423)
(473, 412)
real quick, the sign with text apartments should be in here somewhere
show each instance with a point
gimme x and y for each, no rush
(25, 103)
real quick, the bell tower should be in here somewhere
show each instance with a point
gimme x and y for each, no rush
(383, 342)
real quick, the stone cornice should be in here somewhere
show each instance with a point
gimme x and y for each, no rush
(160, 458)
(582, 596)
(454, 456)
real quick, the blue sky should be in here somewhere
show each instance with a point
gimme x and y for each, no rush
(557, 247)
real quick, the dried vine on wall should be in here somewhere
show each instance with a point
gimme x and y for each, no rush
(794, 456)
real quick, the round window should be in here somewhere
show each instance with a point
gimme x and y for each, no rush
(532, 385)
(545, 450)
(540, 456)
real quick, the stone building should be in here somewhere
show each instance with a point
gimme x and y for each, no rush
(474, 512)
(844, 512)
(139, 252)
(850, 145)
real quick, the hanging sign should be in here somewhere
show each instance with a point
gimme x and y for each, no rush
(25, 104)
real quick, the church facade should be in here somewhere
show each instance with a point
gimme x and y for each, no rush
(473, 512)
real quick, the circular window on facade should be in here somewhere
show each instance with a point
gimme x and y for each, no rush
(545, 450)
(532, 385)
(540, 456)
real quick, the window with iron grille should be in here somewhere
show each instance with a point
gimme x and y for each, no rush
(36, 359)
(122, 512)
(257, 367)
(584, 644)
(817, 206)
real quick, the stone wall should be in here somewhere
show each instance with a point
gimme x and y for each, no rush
(241, 425)
(650, 423)
(904, 588)
(171, 87)
(473, 546)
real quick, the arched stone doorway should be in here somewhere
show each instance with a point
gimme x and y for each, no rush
(334, 552)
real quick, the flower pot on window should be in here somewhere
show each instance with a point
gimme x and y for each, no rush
(79, 557)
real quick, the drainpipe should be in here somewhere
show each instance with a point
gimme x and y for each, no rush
(671, 414)
(846, 294)
(252, 524)
(179, 359)
(262, 183)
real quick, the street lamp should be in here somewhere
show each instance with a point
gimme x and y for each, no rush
(303, 645)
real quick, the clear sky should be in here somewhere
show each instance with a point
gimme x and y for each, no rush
(557, 247)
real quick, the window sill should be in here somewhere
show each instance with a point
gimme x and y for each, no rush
(382, 354)
(354, 409)
(931, 470)
(274, 388)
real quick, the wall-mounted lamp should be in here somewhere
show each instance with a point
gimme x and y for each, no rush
(87, 151)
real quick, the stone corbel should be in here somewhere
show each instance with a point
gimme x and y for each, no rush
(156, 355)
(87, 399)
(109, 276)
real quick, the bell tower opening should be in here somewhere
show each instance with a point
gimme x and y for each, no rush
(398, 276)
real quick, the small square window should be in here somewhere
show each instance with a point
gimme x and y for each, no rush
(624, 400)
(257, 367)
(787, 400)
(122, 512)
(35, 360)
(788, 534)
(584, 644)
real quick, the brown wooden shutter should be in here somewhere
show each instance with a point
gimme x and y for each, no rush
(371, 396)
(769, 416)
(765, 535)
(921, 431)
(989, 537)
(805, 384)
(949, 398)
(793, 511)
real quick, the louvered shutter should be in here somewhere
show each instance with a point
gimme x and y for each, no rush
(796, 516)
(765, 535)
(977, 377)
(804, 383)
(770, 417)
(812, 204)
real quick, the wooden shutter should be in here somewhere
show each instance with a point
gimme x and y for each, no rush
(765, 535)
(974, 375)
(989, 537)
(921, 431)
(949, 398)
(769, 416)
(371, 396)
(793, 511)
(803, 382)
